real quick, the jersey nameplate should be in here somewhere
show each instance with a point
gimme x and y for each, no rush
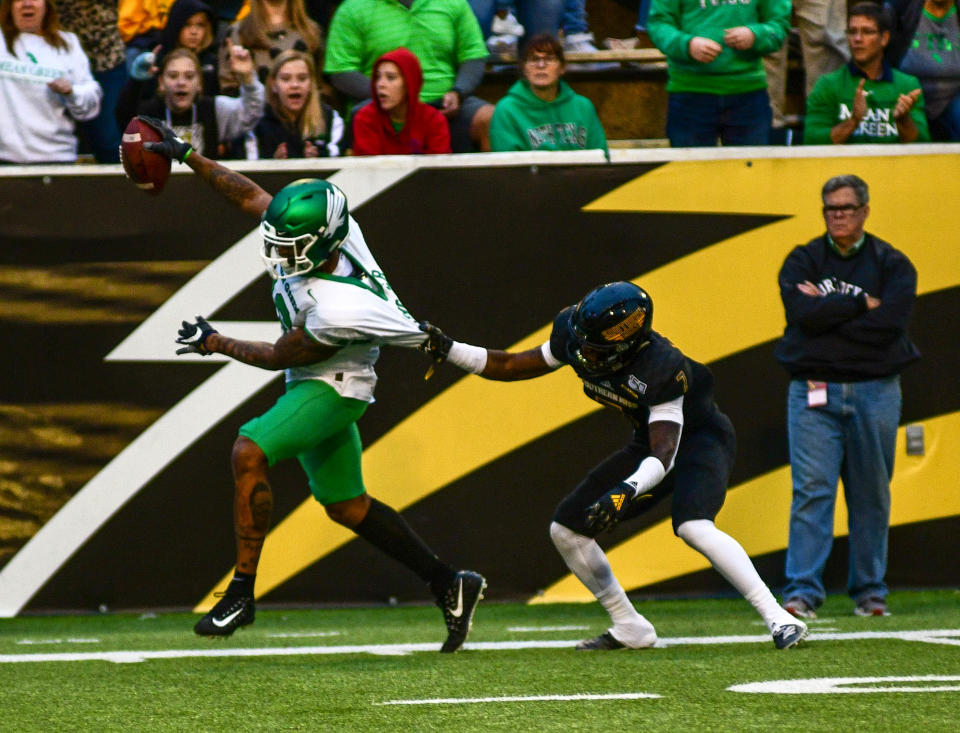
(608, 396)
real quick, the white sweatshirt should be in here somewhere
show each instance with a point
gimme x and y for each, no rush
(36, 123)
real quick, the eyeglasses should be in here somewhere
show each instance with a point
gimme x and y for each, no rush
(542, 60)
(854, 32)
(842, 210)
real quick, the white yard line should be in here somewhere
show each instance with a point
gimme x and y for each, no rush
(522, 698)
(929, 636)
(303, 634)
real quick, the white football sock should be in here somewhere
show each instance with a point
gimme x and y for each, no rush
(589, 564)
(732, 562)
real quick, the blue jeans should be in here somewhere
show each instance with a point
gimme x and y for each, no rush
(946, 127)
(574, 18)
(536, 16)
(852, 438)
(642, 13)
(696, 120)
(102, 132)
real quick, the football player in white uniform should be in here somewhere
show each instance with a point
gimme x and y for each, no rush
(336, 309)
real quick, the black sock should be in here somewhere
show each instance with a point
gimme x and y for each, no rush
(386, 530)
(241, 585)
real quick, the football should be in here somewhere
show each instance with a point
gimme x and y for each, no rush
(149, 171)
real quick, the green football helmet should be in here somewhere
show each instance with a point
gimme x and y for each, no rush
(304, 224)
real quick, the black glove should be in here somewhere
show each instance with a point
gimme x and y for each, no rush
(171, 146)
(193, 336)
(437, 345)
(610, 508)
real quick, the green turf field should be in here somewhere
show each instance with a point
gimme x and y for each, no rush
(376, 670)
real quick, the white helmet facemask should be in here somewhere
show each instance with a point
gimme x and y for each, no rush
(281, 267)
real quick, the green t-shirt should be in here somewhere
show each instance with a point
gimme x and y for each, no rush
(673, 23)
(441, 33)
(831, 102)
(523, 121)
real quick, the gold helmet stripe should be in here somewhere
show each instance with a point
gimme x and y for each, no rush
(627, 327)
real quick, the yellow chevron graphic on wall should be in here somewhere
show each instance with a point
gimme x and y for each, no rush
(492, 419)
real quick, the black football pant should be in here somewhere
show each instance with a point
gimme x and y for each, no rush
(698, 481)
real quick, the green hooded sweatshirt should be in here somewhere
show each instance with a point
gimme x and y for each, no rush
(673, 23)
(523, 121)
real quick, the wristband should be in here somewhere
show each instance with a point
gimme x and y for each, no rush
(471, 359)
(648, 474)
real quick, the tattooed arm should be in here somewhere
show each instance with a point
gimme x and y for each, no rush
(235, 187)
(295, 348)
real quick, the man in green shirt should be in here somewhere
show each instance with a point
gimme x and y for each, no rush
(716, 83)
(866, 101)
(445, 37)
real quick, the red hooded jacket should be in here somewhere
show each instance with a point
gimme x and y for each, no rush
(425, 130)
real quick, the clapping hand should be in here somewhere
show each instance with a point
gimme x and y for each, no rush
(905, 103)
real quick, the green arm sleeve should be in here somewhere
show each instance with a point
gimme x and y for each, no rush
(773, 27)
(820, 117)
(505, 134)
(344, 44)
(663, 25)
(596, 137)
(470, 43)
(919, 117)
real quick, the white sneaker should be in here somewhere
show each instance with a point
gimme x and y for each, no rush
(579, 43)
(508, 26)
(503, 45)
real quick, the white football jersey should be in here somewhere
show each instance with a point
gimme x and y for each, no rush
(353, 308)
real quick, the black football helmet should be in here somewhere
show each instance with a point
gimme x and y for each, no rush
(610, 325)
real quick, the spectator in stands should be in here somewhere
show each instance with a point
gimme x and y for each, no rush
(296, 122)
(536, 16)
(95, 24)
(848, 297)
(443, 34)
(271, 27)
(396, 122)
(45, 84)
(541, 111)
(141, 24)
(866, 101)
(191, 25)
(716, 83)
(822, 28)
(206, 123)
(926, 44)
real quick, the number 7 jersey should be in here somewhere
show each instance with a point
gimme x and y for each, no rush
(353, 308)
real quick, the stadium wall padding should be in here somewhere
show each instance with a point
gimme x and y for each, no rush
(115, 485)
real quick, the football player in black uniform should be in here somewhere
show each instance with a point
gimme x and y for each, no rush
(682, 445)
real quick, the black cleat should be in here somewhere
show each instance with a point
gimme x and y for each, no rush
(458, 601)
(788, 636)
(603, 643)
(230, 613)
